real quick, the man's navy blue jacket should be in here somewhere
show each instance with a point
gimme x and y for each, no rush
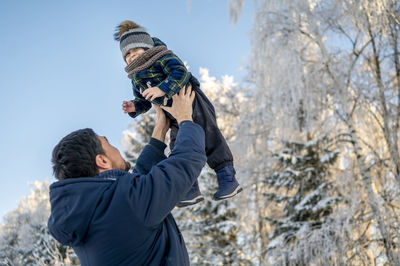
(118, 218)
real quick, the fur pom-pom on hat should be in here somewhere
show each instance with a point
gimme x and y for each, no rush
(130, 36)
(123, 27)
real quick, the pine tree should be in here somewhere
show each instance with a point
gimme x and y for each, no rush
(302, 189)
(209, 227)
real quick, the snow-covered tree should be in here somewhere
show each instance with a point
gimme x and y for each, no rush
(331, 68)
(138, 135)
(24, 237)
(301, 189)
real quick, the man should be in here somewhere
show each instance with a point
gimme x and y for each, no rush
(112, 217)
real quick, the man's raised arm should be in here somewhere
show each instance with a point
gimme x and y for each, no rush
(154, 151)
(155, 194)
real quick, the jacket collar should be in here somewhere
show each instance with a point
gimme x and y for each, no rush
(112, 174)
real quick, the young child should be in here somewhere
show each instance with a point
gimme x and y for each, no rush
(156, 75)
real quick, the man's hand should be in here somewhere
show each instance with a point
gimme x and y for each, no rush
(128, 107)
(181, 108)
(152, 93)
(162, 124)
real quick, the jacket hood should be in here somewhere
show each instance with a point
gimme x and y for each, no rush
(73, 203)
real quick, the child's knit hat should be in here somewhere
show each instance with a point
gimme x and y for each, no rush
(130, 35)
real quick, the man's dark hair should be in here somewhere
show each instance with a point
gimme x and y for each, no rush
(75, 155)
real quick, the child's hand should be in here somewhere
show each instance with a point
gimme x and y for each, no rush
(128, 107)
(152, 93)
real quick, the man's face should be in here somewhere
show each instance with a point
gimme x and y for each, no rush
(113, 155)
(132, 54)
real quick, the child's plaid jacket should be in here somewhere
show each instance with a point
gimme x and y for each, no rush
(168, 73)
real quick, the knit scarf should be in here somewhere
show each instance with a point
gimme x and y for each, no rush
(146, 60)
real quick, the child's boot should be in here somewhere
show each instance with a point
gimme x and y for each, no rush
(228, 186)
(192, 197)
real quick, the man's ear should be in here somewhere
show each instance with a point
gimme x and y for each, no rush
(103, 163)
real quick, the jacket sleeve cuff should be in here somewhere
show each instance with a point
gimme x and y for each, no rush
(132, 114)
(165, 88)
(158, 144)
(185, 122)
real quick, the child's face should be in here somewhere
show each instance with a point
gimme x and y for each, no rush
(132, 54)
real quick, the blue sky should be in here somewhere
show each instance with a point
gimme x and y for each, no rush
(61, 70)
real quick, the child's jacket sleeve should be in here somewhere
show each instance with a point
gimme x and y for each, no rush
(176, 72)
(141, 104)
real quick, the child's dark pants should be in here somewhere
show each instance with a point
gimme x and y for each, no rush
(218, 153)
